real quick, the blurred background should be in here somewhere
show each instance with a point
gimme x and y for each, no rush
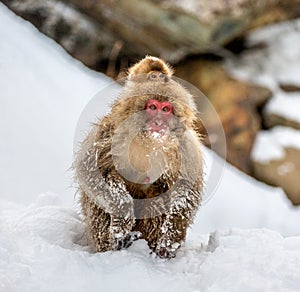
(244, 55)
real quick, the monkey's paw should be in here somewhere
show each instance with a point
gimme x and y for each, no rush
(167, 252)
(127, 240)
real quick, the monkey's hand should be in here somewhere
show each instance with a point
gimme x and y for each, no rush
(183, 203)
(116, 201)
(109, 195)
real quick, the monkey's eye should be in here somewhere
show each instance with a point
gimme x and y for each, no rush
(166, 109)
(153, 76)
(152, 107)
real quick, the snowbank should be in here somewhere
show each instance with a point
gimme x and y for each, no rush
(42, 242)
(43, 91)
(42, 248)
(241, 201)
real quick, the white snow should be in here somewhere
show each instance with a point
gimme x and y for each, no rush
(277, 63)
(43, 91)
(269, 145)
(42, 239)
(42, 248)
(286, 105)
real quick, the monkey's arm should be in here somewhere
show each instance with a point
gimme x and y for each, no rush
(107, 194)
(180, 203)
(170, 228)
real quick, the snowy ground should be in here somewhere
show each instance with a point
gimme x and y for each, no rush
(42, 249)
(42, 240)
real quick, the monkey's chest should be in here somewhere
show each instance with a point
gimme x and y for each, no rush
(150, 160)
(152, 170)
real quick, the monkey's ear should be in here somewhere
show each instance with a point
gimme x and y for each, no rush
(149, 64)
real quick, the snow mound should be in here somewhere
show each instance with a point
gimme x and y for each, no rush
(42, 248)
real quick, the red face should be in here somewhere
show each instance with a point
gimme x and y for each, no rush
(159, 115)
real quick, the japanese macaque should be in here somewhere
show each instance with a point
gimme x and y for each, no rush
(140, 168)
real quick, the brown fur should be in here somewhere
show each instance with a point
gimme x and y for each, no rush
(148, 65)
(162, 210)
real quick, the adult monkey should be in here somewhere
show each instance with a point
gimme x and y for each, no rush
(140, 167)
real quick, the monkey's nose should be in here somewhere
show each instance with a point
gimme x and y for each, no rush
(158, 126)
(158, 122)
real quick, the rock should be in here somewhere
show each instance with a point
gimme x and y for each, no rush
(84, 38)
(283, 108)
(289, 87)
(96, 31)
(236, 103)
(276, 159)
(283, 172)
(272, 120)
(283, 10)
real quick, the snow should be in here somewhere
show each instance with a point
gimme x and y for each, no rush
(42, 238)
(270, 145)
(241, 201)
(285, 105)
(43, 91)
(277, 63)
(42, 249)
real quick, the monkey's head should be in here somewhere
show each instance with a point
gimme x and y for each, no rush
(150, 123)
(166, 105)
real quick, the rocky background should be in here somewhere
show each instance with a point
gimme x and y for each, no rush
(195, 36)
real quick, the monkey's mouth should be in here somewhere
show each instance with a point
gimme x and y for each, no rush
(157, 127)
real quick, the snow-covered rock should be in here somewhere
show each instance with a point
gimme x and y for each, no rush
(276, 65)
(276, 159)
(266, 67)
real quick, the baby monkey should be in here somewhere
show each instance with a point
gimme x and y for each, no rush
(139, 170)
